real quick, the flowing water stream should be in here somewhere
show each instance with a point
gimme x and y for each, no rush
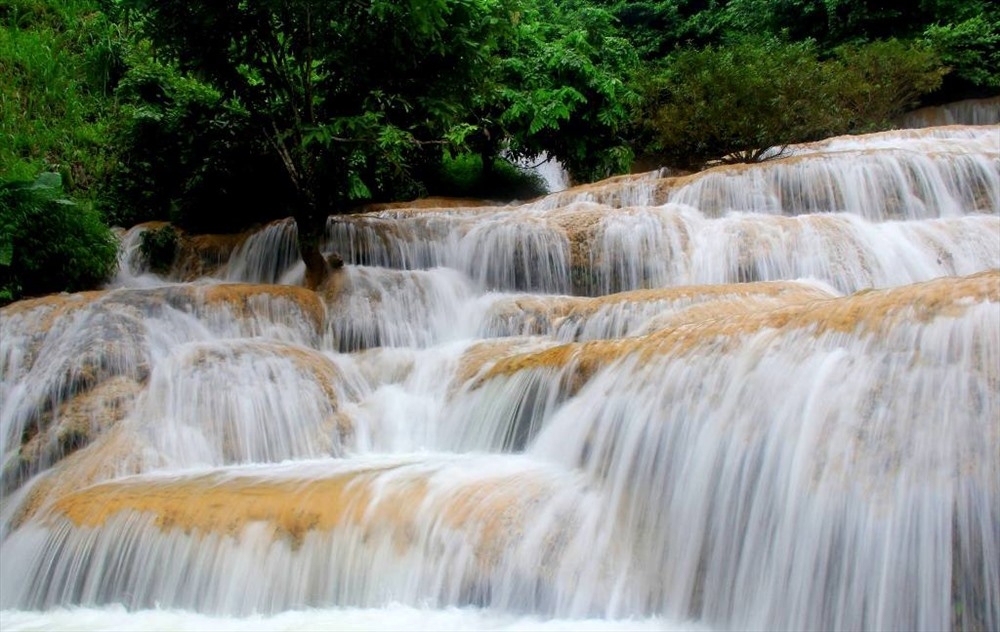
(757, 397)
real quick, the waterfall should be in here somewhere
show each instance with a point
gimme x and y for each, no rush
(968, 112)
(755, 397)
(265, 255)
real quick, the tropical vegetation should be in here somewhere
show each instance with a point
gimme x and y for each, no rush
(48, 243)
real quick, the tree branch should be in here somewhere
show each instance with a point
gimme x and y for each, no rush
(286, 157)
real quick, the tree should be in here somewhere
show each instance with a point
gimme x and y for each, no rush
(347, 95)
(744, 101)
(187, 155)
(735, 102)
(964, 33)
(876, 82)
(658, 27)
(555, 85)
(564, 91)
(971, 48)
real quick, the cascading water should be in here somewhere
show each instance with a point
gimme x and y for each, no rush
(759, 397)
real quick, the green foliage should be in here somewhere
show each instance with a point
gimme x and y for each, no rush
(342, 95)
(830, 23)
(964, 32)
(58, 63)
(188, 156)
(464, 176)
(734, 102)
(658, 27)
(876, 82)
(48, 243)
(563, 91)
(971, 48)
(158, 247)
(737, 101)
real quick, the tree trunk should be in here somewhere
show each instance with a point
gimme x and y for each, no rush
(317, 270)
(311, 225)
(488, 171)
(488, 148)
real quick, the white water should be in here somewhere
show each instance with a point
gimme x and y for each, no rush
(391, 617)
(716, 432)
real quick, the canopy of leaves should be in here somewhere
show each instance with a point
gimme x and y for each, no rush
(345, 94)
(659, 27)
(964, 33)
(187, 155)
(563, 90)
(971, 48)
(738, 101)
(876, 82)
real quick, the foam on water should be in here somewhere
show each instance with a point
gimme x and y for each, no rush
(390, 617)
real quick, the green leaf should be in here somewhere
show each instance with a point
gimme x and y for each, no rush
(7, 250)
(357, 189)
(456, 135)
(48, 180)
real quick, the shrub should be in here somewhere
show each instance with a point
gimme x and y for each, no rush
(736, 102)
(876, 82)
(159, 248)
(49, 243)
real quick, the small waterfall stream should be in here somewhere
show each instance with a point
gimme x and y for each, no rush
(756, 397)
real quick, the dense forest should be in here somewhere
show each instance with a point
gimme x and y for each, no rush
(219, 116)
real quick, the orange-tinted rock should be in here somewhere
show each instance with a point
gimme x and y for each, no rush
(868, 313)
